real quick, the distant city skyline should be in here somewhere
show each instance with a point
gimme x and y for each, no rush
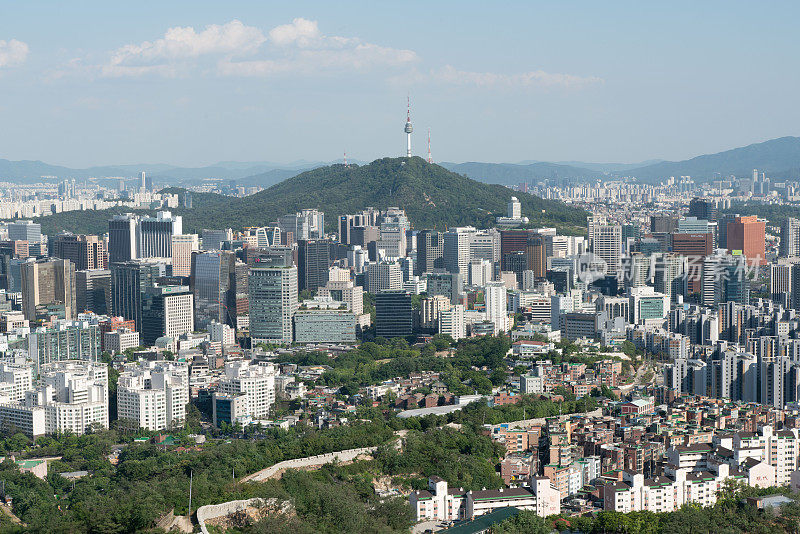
(194, 84)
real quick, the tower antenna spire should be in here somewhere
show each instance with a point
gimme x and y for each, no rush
(430, 158)
(345, 158)
(408, 129)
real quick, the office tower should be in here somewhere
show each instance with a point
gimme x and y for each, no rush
(746, 234)
(213, 274)
(452, 323)
(449, 285)
(605, 240)
(273, 301)
(456, 249)
(512, 241)
(780, 280)
(669, 276)
(694, 247)
(123, 238)
(313, 262)
(693, 225)
(246, 392)
(790, 238)
(240, 306)
(213, 239)
(129, 281)
(153, 396)
(429, 311)
(515, 262)
(637, 270)
(663, 224)
(384, 276)
(722, 228)
(480, 272)
(324, 320)
(84, 251)
(93, 291)
(182, 247)
(536, 256)
(703, 208)
(736, 284)
(393, 314)
(166, 311)
(303, 225)
(430, 252)
(495, 296)
(155, 234)
(485, 245)
(25, 231)
(393, 236)
(48, 286)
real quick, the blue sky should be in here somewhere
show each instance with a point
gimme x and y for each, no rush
(193, 83)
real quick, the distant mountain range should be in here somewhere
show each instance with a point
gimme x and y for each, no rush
(432, 196)
(779, 158)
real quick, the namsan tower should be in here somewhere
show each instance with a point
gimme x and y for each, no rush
(408, 129)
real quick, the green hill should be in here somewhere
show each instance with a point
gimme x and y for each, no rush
(432, 196)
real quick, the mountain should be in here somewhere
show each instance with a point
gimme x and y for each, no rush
(432, 196)
(513, 174)
(779, 157)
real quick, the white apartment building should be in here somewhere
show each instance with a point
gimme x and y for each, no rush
(71, 396)
(154, 395)
(222, 333)
(453, 323)
(255, 382)
(496, 306)
(120, 340)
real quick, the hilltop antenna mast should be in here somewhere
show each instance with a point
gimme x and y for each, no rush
(430, 158)
(345, 158)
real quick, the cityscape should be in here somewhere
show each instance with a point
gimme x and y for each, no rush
(294, 341)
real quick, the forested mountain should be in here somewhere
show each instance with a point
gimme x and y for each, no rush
(432, 196)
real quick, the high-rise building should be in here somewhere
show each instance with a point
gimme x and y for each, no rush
(512, 241)
(669, 277)
(452, 323)
(703, 208)
(722, 228)
(536, 256)
(213, 278)
(496, 305)
(790, 238)
(253, 385)
(747, 234)
(213, 239)
(485, 245)
(393, 314)
(384, 276)
(695, 247)
(155, 234)
(25, 231)
(64, 340)
(449, 285)
(430, 252)
(313, 262)
(153, 395)
(129, 281)
(93, 291)
(273, 301)
(456, 249)
(123, 238)
(305, 225)
(182, 247)
(84, 251)
(605, 241)
(663, 224)
(429, 311)
(480, 272)
(49, 284)
(324, 320)
(166, 311)
(780, 280)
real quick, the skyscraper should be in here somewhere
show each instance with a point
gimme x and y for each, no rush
(313, 262)
(384, 276)
(155, 234)
(496, 305)
(790, 238)
(213, 274)
(85, 251)
(536, 255)
(182, 247)
(166, 311)
(393, 314)
(123, 243)
(747, 234)
(49, 283)
(129, 281)
(605, 240)
(456, 249)
(93, 291)
(430, 252)
(669, 277)
(273, 301)
(25, 231)
(703, 208)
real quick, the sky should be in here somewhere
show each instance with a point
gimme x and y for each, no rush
(192, 83)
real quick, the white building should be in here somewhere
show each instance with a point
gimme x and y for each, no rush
(496, 306)
(254, 382)
(222, 333)
(154, 395)
(182, 247)
(453, 323)
(120, 340)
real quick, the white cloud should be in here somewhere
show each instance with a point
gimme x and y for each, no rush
(12, 53)
(301, 32)
(180, 45)
(536, 78)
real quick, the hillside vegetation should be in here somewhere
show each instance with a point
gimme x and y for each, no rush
(432, 196)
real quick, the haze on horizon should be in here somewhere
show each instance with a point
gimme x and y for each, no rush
(195, 83)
